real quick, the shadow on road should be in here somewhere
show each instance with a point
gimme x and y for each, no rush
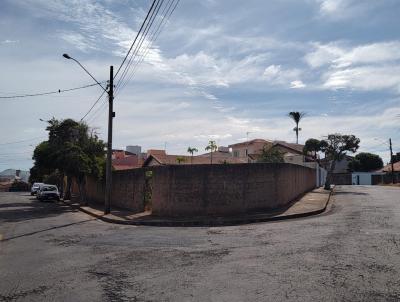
(48, 229)
(350, 193)
(18, 207)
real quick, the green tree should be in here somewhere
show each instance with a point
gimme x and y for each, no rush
(296, 117)
(212, 147)
(366, 162)
(271, 155)
(312, 146)
(191, 151)
(336, 147)
(69, 151)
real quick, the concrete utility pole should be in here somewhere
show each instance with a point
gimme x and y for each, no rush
(111, 115)
(391, 158)
(247, 146)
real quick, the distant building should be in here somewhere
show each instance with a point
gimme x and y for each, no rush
(124, 160)
(159, 157)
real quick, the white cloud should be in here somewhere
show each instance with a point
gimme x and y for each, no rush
(297, 84)
(275, 74)
(365, 78)
(365, 67)
(9, 41)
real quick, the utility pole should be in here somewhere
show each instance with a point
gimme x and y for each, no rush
(391, 159)
(111, 115)
(247, 146)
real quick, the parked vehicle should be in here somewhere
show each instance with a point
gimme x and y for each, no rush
(48, 192)
(35, 188)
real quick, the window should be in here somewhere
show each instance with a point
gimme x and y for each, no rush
(236, 153)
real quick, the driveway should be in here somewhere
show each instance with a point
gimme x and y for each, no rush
(50, 252)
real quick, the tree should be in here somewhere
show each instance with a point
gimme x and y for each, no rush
(312, 146)
(191, 151)
(69, 151)
(366, 162)
(336, 147)
(270, 155)
(296, 117)
(212, 146)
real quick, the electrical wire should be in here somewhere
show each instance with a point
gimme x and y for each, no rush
(132, 57)
(134, 41)
(47, 93)
(98, 112)
(94, 104)
(21, 141)
(154, 36)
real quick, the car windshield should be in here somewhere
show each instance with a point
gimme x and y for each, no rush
(49, 189)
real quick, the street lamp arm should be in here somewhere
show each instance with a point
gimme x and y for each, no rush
(71, 58)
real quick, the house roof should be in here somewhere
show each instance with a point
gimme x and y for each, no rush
(298, 148)
(253, 141)
(388, 168)
(196, 160)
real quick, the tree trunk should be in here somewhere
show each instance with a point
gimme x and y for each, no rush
(211, 156)
(67, 193)
(82, 191)
(329, 177)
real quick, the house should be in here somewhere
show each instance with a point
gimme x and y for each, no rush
(366, 178)
(251, 150)
(387, 173)
(244, 149)
(159, 157)
(124, 160)
(292, 153)
(341, 174)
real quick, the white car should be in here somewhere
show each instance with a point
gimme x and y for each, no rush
(35, 187)
(47, 192)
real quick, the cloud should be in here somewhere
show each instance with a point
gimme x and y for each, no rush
(275, 74)
(297, 84)
(9, 41)
(365, 78)
(336, 10)
(366, 67)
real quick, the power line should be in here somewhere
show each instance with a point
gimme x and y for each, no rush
(134, 41)
(21, 141)
(46, 93)
(153, 16)
(98, 112)
(94, 104)
(154, 36)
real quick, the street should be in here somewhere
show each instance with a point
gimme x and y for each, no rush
(50, 252)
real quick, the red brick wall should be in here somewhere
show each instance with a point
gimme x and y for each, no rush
(227, 189)
(187, 190)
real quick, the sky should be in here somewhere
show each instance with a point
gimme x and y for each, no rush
(219, 70)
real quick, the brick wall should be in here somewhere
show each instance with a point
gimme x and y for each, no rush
(227, 189)
(127, 190)
(187, 190)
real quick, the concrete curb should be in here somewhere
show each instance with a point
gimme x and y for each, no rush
(216, 221)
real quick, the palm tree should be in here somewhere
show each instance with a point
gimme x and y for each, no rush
(212, 146)
(296, 117)
(191, 151)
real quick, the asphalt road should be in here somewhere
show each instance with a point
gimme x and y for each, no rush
(351, 253)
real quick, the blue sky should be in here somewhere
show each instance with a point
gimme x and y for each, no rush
(219, 69)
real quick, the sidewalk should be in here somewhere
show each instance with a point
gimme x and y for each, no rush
(312, 203)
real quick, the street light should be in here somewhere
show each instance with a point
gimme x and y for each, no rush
(111, 115)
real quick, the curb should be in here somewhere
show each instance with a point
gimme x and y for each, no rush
(219, 221)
